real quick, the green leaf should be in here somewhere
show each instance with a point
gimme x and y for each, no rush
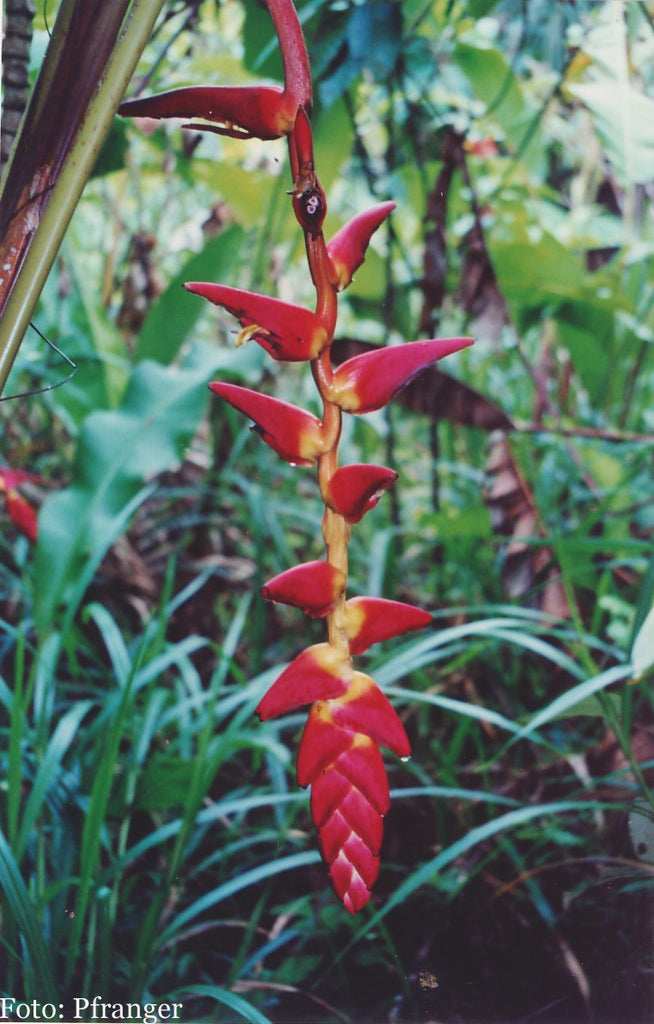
(164, 783)
(174, 314)
(236, 884)
(39, 963)
(531, 273)
(623, 115)
(225, 998)
(118, 451)
(371, 36)
(48, 771)
(562, 706)
(624, 120)
(493, 82)
(642, 652)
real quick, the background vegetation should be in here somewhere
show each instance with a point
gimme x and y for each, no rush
(154, 843)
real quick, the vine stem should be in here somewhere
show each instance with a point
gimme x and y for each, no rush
(40, 195)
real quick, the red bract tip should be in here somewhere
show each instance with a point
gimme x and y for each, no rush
(288, 333)
(354, 490)
(22, 514)
(313, 586)
(19, 509)
(316, 674)
(372, 619)
(369, 381)
(347, 249)
(296, 435)
(241, 112)
(365, 709)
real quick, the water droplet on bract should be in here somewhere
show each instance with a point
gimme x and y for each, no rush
(405, 759)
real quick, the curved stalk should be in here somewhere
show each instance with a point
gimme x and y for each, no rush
(51, 165)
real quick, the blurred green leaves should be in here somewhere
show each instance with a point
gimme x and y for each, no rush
(119, 451)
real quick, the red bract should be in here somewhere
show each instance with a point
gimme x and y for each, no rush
(347, 249)
(312, 586)
(318, 673)
(369, 620)
(241, 112)
(364, 708)
(249, 111)
(369, 381)
(288, 333)
(354, 490)
(296, 435)
(19, 509)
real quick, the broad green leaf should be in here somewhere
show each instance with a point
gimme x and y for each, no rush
(530, 273)
(118, 451)
(624, 120)
(108, 344)
(247, 191)
(174, 314)
(492, 81)
(370, 38)
(332, 145)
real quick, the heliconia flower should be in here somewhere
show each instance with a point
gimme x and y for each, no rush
(349, 788)
(318, 673)
(19, 509)
(288, 333)
(354, 490)
(296, 435)
(240, 111)
(347, 249)
(369, 620)
(367, 382)
(312, 586)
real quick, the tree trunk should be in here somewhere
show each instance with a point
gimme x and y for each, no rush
(15, 68)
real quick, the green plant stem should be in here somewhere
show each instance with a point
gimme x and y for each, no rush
(65, 188)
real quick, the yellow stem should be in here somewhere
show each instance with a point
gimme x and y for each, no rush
(336, 531)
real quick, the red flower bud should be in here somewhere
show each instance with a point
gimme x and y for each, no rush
(353, 490)
(288, 333)
(22, 514)
(313, 586)
(347, 249)
(367, 382)
(20, 511)
(241, 112)
(296, 435)
(372, 619)
(316, 674)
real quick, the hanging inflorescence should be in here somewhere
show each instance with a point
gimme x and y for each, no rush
(349, 717)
